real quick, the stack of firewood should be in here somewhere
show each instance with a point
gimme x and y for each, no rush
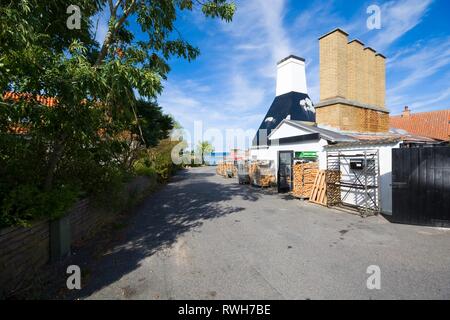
(304, 176)
(224, 168)
(332, 179)
(326, 189)
(260, 177)
(220, 169)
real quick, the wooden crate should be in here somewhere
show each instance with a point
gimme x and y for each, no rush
(220, 170)
(304, 177)
(223, 168)
(319, 191)
(259, 178)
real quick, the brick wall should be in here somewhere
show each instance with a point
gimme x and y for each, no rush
(371, 77)
(352, 85)
(351, 118)
(380, 70)
(333, 65)
(355, 82)
(25, 251)
(363, 95)
(351, 71)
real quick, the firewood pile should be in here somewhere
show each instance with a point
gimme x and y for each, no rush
(219, 169)
(261, 175)
(223, 169)
(326, 190)
(332, 179)
(304, 177)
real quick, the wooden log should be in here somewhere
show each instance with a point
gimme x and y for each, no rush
(304, 177)
(332, 178)
(260, 178)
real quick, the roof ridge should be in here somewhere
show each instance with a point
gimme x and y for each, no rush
(421, 112)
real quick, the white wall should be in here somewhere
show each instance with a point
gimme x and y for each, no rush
(271, 153)
(291, 76)
(287, 130)
(260, 154)
(384, 153)
(284, 131)
(385, 179)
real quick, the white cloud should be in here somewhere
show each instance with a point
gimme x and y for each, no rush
(242, 73)
(259, 24)
(412, 70)
(236, 81)
(432, 100)
(188, 103)
(244, 94)
(398, 18)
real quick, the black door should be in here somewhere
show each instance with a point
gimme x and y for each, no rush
(285, 171)
(421, 186)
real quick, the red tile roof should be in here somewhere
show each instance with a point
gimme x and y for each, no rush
(433, 124)
(16, 96)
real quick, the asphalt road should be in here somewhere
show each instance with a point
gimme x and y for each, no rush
(206, 237)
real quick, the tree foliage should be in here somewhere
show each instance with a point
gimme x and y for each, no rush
(106, 110)
(204, 148)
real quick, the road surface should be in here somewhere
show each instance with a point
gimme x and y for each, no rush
(206, 237)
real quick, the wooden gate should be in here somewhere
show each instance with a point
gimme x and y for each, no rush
(421, 186)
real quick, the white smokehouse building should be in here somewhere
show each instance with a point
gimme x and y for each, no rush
(348, 130)
(290, 123)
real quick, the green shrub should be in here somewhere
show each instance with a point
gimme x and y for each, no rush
(27, 203)
(143, 167)
(157, 161)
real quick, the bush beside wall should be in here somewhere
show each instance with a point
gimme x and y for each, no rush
(24, 251)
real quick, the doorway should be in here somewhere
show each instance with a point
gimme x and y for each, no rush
(284, 181)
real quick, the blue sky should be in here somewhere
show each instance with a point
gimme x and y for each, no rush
(232, 84)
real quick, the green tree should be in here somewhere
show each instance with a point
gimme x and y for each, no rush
(154, 123)
(204, 148)
(77, 72)
(88, 137)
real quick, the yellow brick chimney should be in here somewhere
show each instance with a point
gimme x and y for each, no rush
(352, 85)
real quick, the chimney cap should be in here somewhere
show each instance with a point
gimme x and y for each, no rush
(406, 112)
(371, 49)
(380, 55)
(358, 41)
(289, 57)
(333, 31)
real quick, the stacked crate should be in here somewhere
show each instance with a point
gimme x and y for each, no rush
(220, 169)
(304, 176)
(223, 169)
(261, 175)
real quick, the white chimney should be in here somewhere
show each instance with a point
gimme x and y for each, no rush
(291, 75)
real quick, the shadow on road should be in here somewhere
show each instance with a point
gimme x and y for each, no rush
(189, 200)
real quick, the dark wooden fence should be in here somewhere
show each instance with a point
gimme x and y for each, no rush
(421, 186)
